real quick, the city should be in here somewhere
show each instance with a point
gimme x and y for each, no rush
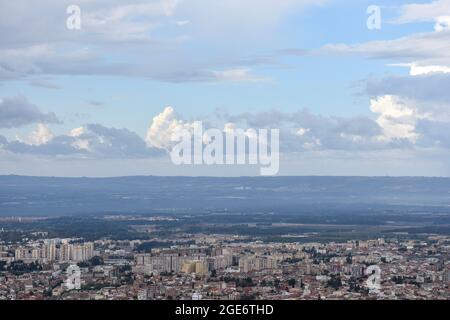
(227, 158)
(225, 267)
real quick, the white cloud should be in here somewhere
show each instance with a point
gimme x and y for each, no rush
(422, 12)
(103, 21)
(232, 128)
(79, 143)
(396, 118)
(142, 37)
(426, 52)
(41, 135)
(76, 132)
(90, 141)
(397, 124)
(431, 48)
(418, 70)
(239, 75)
(302, 131)
(442, 23)
(163, 126)
(182, 23)
(128, 22)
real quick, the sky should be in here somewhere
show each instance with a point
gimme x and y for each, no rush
(352, 92)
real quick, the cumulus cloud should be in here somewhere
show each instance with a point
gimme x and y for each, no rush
(442, 23)
(92, 141)
(18, 111)
(58, 146)
(163, 126)
(116, 142)
(406, 106)
(42, 135)
(396, 118)
(303, 130)
(427, 55)
(395, 124)
(429, 91)
(77, 132)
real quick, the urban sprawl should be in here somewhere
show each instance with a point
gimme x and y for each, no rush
(225, 267)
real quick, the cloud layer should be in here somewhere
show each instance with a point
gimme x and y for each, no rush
(148, 38)
(18, 111)
(89, 141)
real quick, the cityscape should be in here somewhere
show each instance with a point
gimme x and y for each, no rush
(225, 267)
(213, 158)
(122, 244)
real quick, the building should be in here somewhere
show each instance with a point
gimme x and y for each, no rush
(199, 267)
(255, 263)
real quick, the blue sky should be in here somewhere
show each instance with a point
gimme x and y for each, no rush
(220, 62)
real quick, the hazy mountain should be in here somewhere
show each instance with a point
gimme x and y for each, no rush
(179, 195)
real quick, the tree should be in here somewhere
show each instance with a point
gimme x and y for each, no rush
(292, 282)
(97, 261)
(334, 282)
(83, 264)
(349, 259)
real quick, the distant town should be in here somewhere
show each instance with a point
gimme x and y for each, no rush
(222, 266)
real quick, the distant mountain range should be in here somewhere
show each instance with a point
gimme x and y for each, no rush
(48, 196)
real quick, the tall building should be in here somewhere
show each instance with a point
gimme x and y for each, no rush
(188, 267)
(446, 276)
(254, 263)
(49, 250)
(198, 267)
(64, 252)
(165, 262)
(82, 252)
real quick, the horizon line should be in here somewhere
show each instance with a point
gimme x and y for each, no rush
(221, 177)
